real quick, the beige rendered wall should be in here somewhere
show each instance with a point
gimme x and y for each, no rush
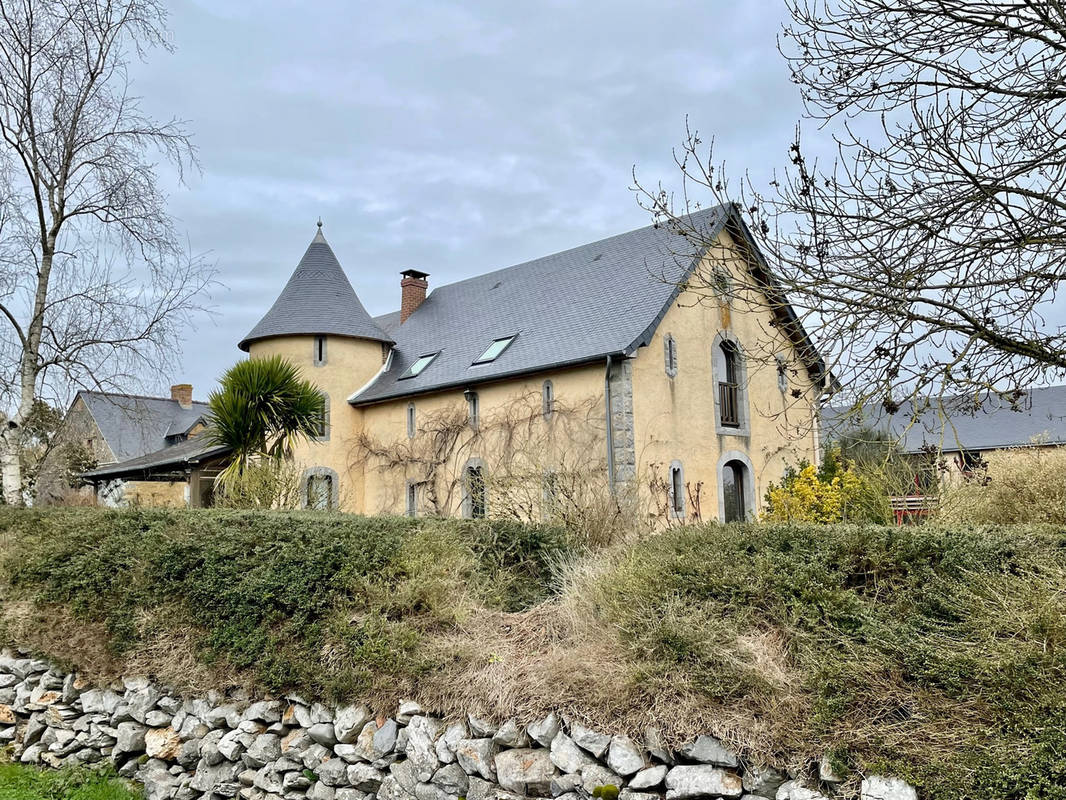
(514, 442)
(675, 418)
(349, 364)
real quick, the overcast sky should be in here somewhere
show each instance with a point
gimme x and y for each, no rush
(454, 138)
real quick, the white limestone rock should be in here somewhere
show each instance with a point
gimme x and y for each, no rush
(648, 778)
(364, 777)
(525, 771)
(878, 787)
(543, 731)
(420, 749)
(349, 722)
(445, 745)
(477, 756)
(701, 780)
(510, 735)
(451, 779)
(589, 740)
(624, 757)
(567, 756)
(709, 750)
(333, 772)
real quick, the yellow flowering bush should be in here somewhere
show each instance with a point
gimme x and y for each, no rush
(810, 494)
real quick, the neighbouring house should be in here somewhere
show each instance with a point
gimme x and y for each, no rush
(609, 373)
(949, 440)
(107, 429)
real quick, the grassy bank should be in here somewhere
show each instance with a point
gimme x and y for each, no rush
(936, 654)
(27, 783)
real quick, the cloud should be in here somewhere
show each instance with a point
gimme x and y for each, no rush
(457, 138)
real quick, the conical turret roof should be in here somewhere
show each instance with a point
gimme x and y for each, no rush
(318, 299)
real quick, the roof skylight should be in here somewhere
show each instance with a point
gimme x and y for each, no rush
(496, 349)
(419, 365)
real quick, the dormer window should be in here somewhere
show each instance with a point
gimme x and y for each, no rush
(419, 366)
(496, 349)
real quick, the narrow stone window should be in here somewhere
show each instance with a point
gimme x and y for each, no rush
(411, 429)
(782, 375)
(548, 399)
(670, 355)
(476, 500)
(319, 355)
(677, 490)
(473, 405)
(411, 506)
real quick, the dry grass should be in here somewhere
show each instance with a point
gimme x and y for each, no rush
(1022, 485)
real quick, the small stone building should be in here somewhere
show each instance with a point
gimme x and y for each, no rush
(110, 428)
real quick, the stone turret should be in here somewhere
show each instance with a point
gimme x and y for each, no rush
(318, 300)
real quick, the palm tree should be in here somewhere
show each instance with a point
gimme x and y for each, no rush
(263, 408)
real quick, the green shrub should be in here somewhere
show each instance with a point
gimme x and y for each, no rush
(319, 602)
(1026, 484)
(933, 653)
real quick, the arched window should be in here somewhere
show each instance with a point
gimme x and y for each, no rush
(670, 355)
(730, 397)
(734, 491)
(676, 489)
(473, 405)
(475, 500)
(320, 489)
(411, 421)
(548, 399)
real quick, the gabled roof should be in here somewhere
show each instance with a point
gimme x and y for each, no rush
(574, 307)
(175, 458)
(133, 425)
(954, 424)
(318, 299)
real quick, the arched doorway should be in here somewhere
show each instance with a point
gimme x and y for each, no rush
(734, 491)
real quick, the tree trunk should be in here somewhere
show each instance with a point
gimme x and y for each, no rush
(10, 466)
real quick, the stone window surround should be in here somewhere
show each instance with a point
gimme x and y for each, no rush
(411, 497)
(318, 351)
(670, 355)
(468, 509)
(744, 429)
(412, 429)
(547, 394)
(749, 483)
(676, 468)
(326, 472)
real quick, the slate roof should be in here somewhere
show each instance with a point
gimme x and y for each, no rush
(953, 424)
(133, 425)
(318, 299)
(574, 307)
(176, 457)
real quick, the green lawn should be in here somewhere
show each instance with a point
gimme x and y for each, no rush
(26, 783)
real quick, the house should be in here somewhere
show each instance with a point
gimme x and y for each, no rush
(609, 373)
(943, 441)
(963, 432)
(106, 429)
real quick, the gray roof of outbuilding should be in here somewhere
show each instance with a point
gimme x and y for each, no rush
(133, 425)
(578, 306)
(180, 456)
(955, 424)
(318, 299)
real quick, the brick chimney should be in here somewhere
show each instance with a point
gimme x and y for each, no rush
(412, 292)
(182, 392)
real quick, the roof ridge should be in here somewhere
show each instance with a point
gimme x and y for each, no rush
(571, 249)
(132, 396)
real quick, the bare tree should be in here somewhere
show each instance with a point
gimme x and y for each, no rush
(96, 286)
(927, 257)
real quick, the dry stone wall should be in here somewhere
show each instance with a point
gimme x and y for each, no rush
(231, 746)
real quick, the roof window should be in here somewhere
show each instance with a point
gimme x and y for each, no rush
(496, 349)
(419, 366)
